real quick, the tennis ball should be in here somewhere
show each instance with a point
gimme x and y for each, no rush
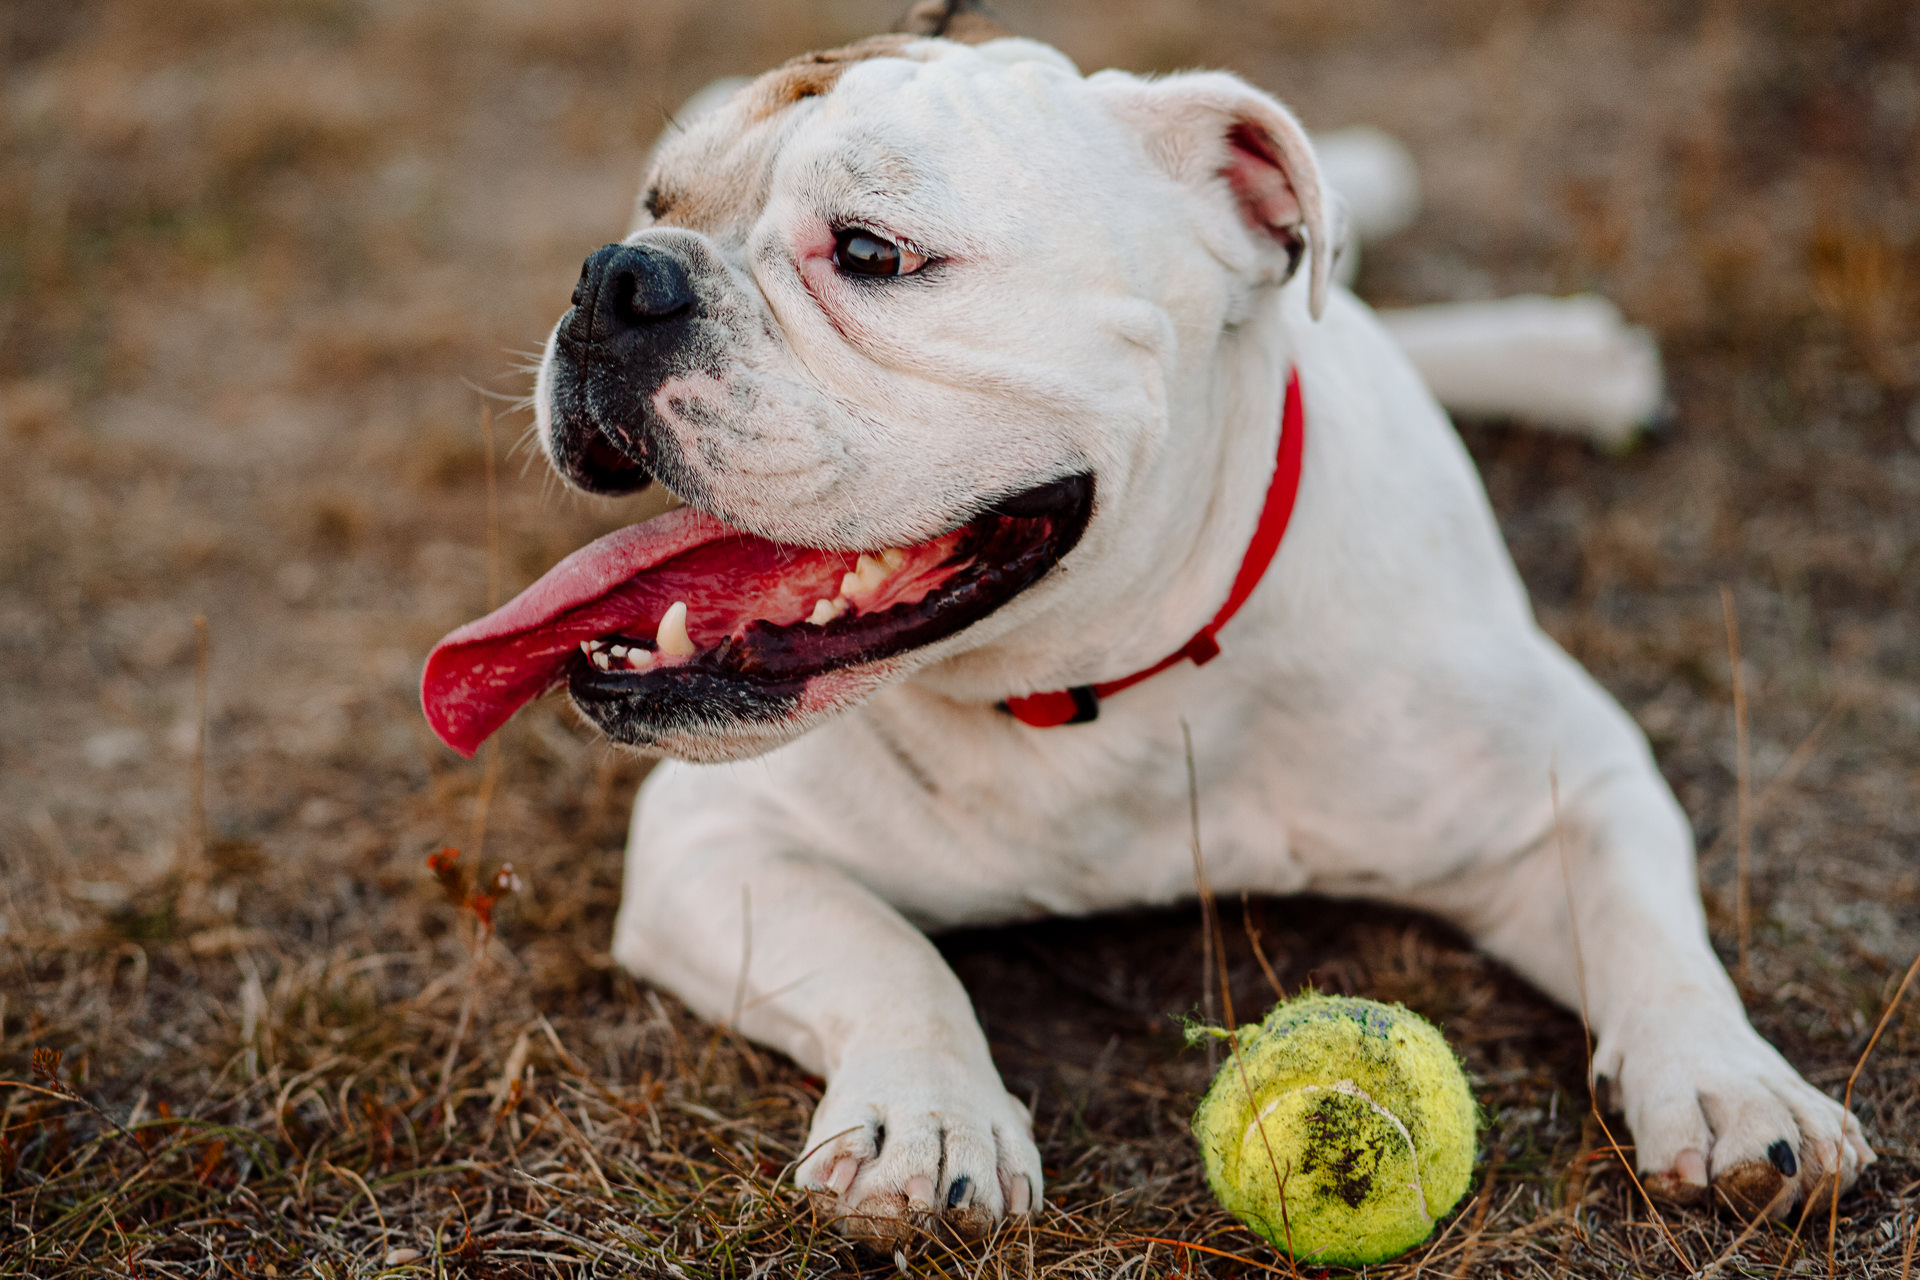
(1350, 1133)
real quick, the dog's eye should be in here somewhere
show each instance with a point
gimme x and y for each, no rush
(863, 253)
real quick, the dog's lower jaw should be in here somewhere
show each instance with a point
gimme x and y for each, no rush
(731, 729)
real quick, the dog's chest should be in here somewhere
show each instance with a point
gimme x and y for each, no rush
(959, 825)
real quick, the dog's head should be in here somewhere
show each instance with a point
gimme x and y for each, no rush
(930, 338)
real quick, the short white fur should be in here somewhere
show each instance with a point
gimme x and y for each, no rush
(1386, 719)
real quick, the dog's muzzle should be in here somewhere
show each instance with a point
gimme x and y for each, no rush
(633, 311)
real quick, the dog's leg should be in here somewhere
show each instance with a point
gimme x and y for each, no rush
(1567, 363)
(722, 906)
(1706, 1099)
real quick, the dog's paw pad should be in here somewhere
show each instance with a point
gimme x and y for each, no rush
(1754, 1187)
(1803, 1172)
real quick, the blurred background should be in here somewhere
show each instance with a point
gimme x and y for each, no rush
(267, 265)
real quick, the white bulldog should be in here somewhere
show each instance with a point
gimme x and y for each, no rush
(972, 373)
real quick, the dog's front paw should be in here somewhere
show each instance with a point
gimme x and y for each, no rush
(1713, 1106)
(907, 1145)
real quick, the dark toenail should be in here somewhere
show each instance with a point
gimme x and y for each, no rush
(1782, 1156)
(958, 1191)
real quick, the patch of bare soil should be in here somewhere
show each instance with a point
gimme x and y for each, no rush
(262, 265)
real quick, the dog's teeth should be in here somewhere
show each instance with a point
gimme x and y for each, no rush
(618, 651)
(823, 612)
(892, 558)
(639, 659)
(672, 637)
(602, 661)
(868, 573)
(874, 570)
(586, 647)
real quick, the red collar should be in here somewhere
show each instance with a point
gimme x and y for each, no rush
(1082, 702)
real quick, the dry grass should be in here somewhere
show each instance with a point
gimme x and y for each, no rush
(251, 258)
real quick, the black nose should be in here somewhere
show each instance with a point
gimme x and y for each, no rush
(625, 287)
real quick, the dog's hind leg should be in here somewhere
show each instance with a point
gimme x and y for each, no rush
(723, 906)
(1566, 363)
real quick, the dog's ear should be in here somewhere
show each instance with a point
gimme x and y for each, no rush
(964, 21)
(1207, 127)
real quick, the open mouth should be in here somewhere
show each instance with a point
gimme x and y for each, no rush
(684, 620)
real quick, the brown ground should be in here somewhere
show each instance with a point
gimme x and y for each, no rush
(258, 258)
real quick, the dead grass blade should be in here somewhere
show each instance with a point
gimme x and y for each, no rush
(1210, 920)
(1211, 941)
(1780, 1199)
(1241, 1258)
(493, 509)
(1802, 754)
(1846, 1100)
(1743, 801)
(1476, 1231)
(191, 865)
(1259, 952)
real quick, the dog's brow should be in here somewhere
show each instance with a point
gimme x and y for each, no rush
(716, 184)
(813, 75)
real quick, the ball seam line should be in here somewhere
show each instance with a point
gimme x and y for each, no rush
(1352, 1090)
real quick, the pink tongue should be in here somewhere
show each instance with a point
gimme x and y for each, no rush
(479, 675)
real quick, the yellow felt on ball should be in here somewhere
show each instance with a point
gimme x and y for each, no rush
(1350, 1133)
